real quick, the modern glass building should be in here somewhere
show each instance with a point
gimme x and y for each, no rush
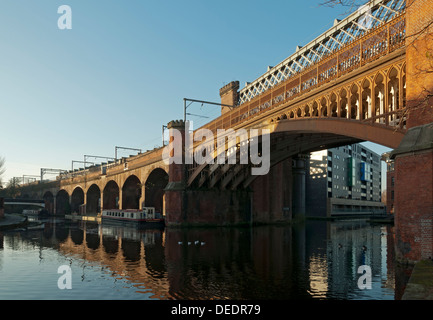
(344, 181)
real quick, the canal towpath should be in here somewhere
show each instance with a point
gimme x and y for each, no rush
(420, 285)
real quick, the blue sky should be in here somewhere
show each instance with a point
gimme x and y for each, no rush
(123, 69)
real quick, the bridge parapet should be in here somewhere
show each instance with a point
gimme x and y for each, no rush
(112, 169)
(37, 189)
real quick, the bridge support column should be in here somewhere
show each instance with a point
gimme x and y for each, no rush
(272, 195)
(101, 199)
(175, 189)
(413, 166)
(120, 200)
(186, 206)
(413, 194)
(142, 199)
(83, 208)
(299, 186)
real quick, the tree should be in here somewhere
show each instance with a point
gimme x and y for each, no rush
(13, 188)
(350, 4)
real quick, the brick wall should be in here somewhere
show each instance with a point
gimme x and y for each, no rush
(413, 190)
(272, 194)
(390, 192)
(414, 206)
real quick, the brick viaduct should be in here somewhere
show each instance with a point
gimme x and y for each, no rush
(374, 87)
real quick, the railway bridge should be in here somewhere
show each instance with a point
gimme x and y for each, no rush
(368, 78)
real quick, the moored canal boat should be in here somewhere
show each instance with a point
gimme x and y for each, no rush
(144, 217)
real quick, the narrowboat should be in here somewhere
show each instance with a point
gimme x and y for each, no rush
(147, 216)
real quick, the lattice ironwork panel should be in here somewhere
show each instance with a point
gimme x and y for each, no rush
(369, 16)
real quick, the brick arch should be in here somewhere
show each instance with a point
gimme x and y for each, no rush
(131, 192)
(155, 184)
(148, 172)
(111, 192)
(62, 202)
(302, 135)
(77, 199)
(48, 197)
(70, 188)
(96, 182)
(378, 134)
(93, 199)
(62, 190)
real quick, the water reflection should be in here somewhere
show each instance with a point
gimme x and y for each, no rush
(312, 260)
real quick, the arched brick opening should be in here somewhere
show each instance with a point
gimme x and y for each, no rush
(131, 193)
(93, 201)
(49, 202)
(77, 199)
(111, 195)
(154, 189)
(62, 203)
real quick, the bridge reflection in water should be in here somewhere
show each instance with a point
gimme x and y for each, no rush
(315, 260)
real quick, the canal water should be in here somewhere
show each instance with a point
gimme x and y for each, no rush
(315, 260)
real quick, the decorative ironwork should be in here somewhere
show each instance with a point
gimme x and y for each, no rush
(293, 79)
(379, 41)
(368, 17)
(349, 59)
